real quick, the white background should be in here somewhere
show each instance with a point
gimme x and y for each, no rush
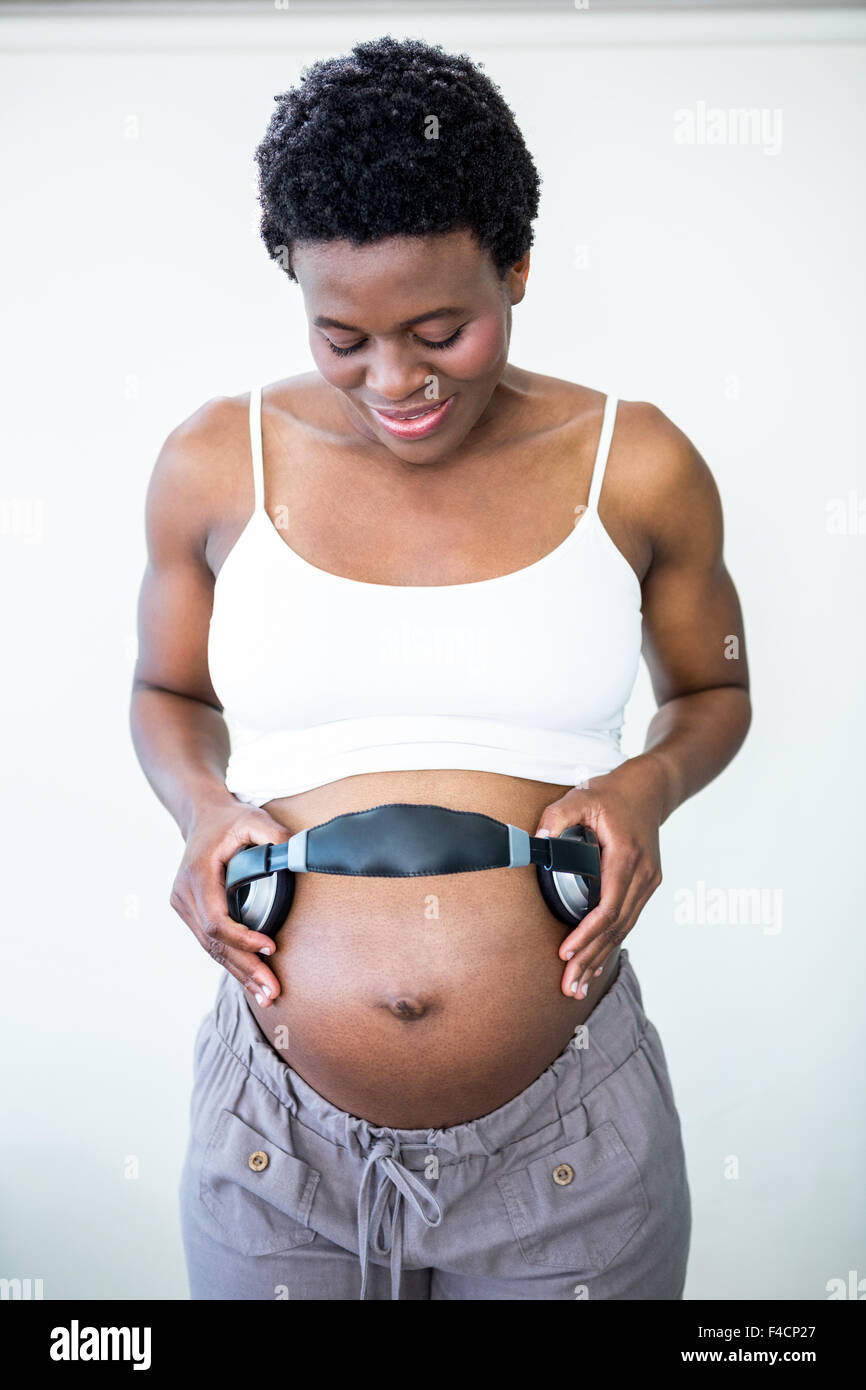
(724, 283)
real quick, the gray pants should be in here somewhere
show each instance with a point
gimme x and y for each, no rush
(574, 1189)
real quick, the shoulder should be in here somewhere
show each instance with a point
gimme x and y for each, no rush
(646, 434)
(209, 445)
(640, 427)
(649, 454)
(201, 448)
(673, 494)
(204, 466)
(210, 448)
(202, 469)
(646, 440)
(658, 489)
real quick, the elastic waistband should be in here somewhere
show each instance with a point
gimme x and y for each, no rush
(599, 1047)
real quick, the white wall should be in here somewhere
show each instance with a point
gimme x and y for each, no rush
(723, 283)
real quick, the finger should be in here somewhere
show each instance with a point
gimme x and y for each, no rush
(595, 967)
(218, 924)
(220, 949)
(570, 809)
(257, 829)
(587, 963)
(573, 974)
(219, 934)
(606, 925)
(206, 877)
(255, 978)
(616, 884)
(209, 891)
(626, 872)
(580, 975)
(214, 929)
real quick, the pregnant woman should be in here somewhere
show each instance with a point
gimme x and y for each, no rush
(424, 576)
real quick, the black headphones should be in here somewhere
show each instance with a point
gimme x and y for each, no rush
(406, 840)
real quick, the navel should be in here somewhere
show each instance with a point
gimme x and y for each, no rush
(406, 1008)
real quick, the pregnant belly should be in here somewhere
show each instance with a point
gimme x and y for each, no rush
(421, 1002)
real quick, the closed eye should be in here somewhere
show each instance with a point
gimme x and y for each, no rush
(425, 342)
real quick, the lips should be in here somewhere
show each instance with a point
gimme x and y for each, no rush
(406, 414)
(412, 424)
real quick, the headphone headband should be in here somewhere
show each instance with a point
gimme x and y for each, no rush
(407, 840)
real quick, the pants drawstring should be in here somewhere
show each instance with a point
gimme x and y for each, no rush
(380, 1225)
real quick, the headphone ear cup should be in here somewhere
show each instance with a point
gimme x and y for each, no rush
(551, 897)
(263, 904)
(570, 896)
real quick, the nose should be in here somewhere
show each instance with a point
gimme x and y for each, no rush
(395, 374)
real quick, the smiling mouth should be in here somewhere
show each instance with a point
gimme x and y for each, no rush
(409, 414)
(418, 423)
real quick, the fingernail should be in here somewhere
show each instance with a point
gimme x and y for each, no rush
(599, 970)
(260, 999)
(265, 950)
(543, 835)
(266, 989)
(569, 955)
(579, 990)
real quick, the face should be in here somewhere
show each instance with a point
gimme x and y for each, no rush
(413, 332)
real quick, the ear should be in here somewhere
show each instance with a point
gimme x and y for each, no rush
(517, 277)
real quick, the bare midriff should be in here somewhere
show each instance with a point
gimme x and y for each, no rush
(422, 1002)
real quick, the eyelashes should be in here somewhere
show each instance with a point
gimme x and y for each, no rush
(446, 343)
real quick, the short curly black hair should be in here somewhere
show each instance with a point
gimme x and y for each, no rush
(395, 138)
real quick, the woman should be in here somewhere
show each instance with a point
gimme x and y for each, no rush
(399, 580)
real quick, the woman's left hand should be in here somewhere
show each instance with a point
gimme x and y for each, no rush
(624, 808)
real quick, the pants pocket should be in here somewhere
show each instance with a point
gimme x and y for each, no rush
(577, 1206)
(259, 1195)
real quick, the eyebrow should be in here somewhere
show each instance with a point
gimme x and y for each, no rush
(323, 322)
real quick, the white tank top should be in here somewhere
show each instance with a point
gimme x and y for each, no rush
(323, 677)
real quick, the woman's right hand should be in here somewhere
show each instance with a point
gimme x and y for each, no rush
(198, 894)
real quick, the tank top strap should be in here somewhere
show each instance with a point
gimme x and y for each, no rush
(602, 452)
(256, 446)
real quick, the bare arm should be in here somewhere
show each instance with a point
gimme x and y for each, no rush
(178, 731)
(694, 643)
(694, 646)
